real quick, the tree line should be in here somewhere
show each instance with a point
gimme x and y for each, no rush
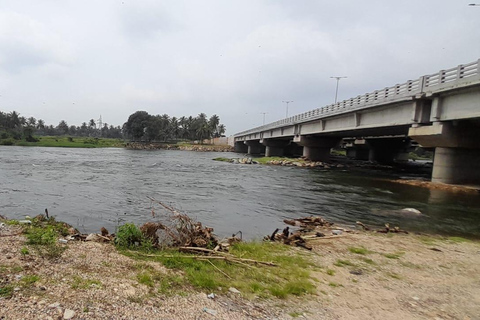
(140, 126)
(12, 125)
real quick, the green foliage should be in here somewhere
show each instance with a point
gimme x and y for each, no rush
(395, 255)
(330, 272)
(290, 277)
(41, 236)
(343, 263)
(223, 159)
(28, 280)
(81, 283)
(358, 250)
(129, 236)
(6, 291)
(24, 251)
(69, 142)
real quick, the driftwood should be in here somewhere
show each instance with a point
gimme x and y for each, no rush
(179, 230)
(393, 230)
(216, 256)
(363, 226)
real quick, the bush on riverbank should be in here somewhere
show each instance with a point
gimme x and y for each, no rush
(68, 142)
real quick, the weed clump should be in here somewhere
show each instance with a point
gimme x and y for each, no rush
(129, 236)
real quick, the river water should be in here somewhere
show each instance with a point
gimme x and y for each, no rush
(91, 188)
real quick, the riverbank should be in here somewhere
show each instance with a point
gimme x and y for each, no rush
(66, 142)
(356, 275)
(179, 146)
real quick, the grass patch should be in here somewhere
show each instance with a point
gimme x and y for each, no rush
(368, 261)
(427, 240)
(343, 263)
(42, 236)
(358, 250)
(395, 275)
(334, 284)
(223, 159)
(330, 272)
(395, 255)
(81, 283)
(69, 142)
(28, 280)
(410, 265)
(6, 291)
(290, 277)
(458, 239)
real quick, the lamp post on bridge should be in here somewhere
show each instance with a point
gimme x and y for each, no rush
(264, 113)
(287, 102)
(336, 90)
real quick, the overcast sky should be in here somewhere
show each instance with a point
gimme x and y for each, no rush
(77, 60)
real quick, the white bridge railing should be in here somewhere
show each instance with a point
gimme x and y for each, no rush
(460, 76)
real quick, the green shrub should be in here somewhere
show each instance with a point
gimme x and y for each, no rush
(130, 236)
(7, 142)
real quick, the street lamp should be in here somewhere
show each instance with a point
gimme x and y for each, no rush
(264, 113)
(336, 90)
(287, 102)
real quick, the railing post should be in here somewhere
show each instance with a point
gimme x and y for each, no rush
(441, 76)
(421, 84)
(459, 72)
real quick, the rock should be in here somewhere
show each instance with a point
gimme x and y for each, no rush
(337, 232)
(233, 290)
(357, 272)
(104, 232)
(92, 237)
(210, 311)
(68, 314)
(211, 296)
(411, 210)
(25, 222)
(54, 305)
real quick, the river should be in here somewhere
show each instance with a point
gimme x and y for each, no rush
(91, 188)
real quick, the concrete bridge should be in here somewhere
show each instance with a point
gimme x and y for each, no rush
(440, 111)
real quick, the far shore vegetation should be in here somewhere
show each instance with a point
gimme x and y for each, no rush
(16, 130)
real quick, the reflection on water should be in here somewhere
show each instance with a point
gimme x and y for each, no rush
(90, 188)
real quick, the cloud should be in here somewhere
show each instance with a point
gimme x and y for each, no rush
(26, 43)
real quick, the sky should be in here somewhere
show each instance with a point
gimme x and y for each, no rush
(79, 60)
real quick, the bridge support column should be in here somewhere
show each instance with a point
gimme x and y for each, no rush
(358, 149)
(456, 166)
(255, 147)
(241, 147)
(388, 150)
(316, 148)
(457, 150)
(274, 147)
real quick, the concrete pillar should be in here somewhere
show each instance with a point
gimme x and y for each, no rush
(293, 150)
(241, 147)
(255, 147)
(357, 149)
(456, 166)
(274, 147)
(316, 148)
(388, 150)
(457, 150)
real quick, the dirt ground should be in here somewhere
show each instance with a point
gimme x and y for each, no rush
(361, 276)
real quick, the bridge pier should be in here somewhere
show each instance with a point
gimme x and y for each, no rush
(358, 149)
(241, 147)
(274, 147)
(255, 147)
(316, 148)
(388, 150)
(457, 150)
